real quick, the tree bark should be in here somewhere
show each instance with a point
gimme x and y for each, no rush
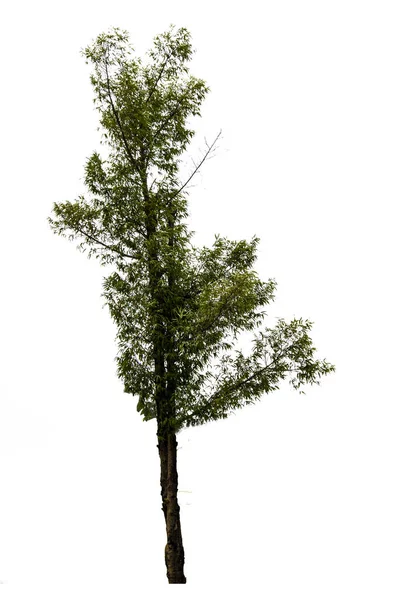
(174, 550)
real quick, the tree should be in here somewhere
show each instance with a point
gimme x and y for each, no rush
(178, 309)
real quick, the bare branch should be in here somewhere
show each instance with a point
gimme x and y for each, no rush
(210, 148)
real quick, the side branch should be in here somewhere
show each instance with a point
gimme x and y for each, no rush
(224, 391)
(111, 248)
(210, 148)
(163, 124)
(118, 121)
(221, 310)
(239, 384)
(154, 87)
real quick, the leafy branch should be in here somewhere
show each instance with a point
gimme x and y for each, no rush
(118, 121)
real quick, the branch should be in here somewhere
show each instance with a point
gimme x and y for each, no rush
(91, 237)
(152, 183)
(282, 352)
(240, 384)
(170, 115)
(127, 148)
(161, 127)
(135, 224)
(217, 394)
(219, 313)
(154, 87)
(210, 148)
(243, 382)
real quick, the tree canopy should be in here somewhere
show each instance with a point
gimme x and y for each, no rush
(179, 309)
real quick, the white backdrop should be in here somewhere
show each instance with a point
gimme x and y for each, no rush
(299, 496)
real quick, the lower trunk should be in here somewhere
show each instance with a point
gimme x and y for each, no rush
(174, 550)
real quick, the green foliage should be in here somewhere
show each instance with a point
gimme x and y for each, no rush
(178, 309)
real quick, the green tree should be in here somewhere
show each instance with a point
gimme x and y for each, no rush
(178, 309)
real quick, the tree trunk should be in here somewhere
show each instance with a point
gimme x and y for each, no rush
(174, 550)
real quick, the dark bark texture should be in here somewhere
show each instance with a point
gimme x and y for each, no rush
(174, 550)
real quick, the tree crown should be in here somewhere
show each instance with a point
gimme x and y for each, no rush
(178, 309)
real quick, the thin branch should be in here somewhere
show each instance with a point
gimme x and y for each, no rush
(216, 394)
(210, 148)
(91, 237)
(219, 313)
(243, 382)
(238, 385)
(115, 112)
(152, 183)
(154, 87)
(160, 129)
(134, 222)
(165, 121)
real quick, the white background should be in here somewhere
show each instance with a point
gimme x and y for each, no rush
(299, 496)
